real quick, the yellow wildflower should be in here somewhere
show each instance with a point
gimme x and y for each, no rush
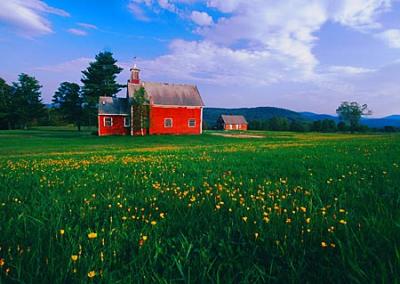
(74, 257)
(308, 220)
(153, 223)
(92, 235)
(62, 232)
(2, 262)
(323, 244)
(144, 238)
(162, 215)
(244, 219)
(332, 245)
(304, 209)
(256, 235)
(288, 221)
(343, 222)
(91, 274)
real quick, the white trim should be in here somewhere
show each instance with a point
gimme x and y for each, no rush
(194, 126)
(104, 121)
(201, 120)
(172, 122)
(108, 114)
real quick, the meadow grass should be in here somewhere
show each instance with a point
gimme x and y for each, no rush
(206, 209)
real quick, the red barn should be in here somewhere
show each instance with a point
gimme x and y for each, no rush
(232, 122)
(170, 109)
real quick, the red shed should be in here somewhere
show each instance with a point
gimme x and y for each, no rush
(232, 122)
(171, 109)
(113, 117)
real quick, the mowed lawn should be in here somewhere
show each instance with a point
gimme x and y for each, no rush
(279, 207)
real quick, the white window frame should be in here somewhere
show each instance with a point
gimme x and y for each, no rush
(127, 121)
(165, 122)
(111, 121)
(194, 124)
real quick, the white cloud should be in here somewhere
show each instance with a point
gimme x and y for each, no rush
(137, 11)
(27, 16)
(77, 32)
(88, 26)
(273, 39)
(201, 18)
(208, 62)
(359, 14)
(391, 37)
(349, 70)
(75, 65)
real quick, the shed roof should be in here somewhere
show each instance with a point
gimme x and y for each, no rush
(234, 119)
(169, 94)
(111, 105)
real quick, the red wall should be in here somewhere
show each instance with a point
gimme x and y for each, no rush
(117, 127)
(242, 127)
(180, 117)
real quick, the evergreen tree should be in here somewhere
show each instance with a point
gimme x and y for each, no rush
(27, 106)
(69, 102)
(99, 79)
(5, 105)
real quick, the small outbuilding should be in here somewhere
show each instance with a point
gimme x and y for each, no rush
(232, 122)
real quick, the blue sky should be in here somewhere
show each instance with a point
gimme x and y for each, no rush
(306, 55)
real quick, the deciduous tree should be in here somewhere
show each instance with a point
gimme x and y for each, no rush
(351, 112)
(69, 102)
(5, 105)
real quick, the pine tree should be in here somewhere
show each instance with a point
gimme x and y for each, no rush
(99, 79)
(69, 102)
(26, 100)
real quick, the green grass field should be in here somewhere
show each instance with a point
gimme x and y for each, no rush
(206, 209)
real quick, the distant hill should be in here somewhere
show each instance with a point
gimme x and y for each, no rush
(393, 117)
(393, 120)
(211, 115)
(315, 116)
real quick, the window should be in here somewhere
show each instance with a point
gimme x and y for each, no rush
(230, 126)
(108, 121)
(192, 122)
(127, 121)
(167, 122)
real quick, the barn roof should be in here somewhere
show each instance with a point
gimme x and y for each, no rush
(233, 119)
(169, 94)
(110, 105)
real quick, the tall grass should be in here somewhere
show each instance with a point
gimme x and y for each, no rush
(286, 208)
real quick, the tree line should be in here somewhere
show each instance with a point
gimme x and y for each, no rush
(21, 103)
(349, 113)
